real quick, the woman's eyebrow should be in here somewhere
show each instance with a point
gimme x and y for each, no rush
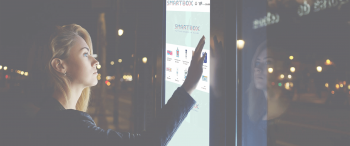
(85, 48)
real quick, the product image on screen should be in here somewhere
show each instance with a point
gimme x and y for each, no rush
(186, 23)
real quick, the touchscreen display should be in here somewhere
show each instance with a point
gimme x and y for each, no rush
(186, 23)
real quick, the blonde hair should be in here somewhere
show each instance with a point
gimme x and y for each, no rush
(255, 100)
(58, 45)
(257, 103)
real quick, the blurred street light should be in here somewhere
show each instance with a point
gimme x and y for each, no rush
(319, 68)
(337, 86)
(110, 78)
(127, 77)
(292, 69)
(108, 83)
(326, 85)
(99, 66)
(144, 59)
(120, 60)
(328, 62)
(270, 70)
(332, 92)
(112, 62)
(120, 32)
(0, 67)
(240, 44)
(291, 57)
(22, 72)
(99, 77)
(5, 67)
(25, 73)
(282, 76)
(349, 87)
(286, 85)
(289, 76)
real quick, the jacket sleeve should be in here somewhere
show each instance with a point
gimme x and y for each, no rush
(159, 132)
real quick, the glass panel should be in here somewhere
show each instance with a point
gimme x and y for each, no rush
(296, 73)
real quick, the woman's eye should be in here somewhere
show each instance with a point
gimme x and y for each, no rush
(257, 63)
(86, 54)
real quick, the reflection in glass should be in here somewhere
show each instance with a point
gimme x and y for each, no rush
(266, 101)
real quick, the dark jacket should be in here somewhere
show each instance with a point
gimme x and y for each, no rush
(58, 126)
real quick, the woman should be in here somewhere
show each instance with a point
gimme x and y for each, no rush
(266, 101)
(65, 72)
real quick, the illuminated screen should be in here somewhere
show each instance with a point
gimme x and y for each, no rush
(186, 23)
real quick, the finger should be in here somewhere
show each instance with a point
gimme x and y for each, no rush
(199, 50)
(216, 47)
(201, 41)
(216, 43)
(202, 45)
(197, 55)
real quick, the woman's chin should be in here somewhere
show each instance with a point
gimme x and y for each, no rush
(260, 86)
(94, 83)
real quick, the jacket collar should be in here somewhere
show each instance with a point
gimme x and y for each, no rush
(53, 104)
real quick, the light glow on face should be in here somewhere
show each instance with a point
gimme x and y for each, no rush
(81, 65)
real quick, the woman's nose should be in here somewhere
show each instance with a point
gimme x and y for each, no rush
(96, 62)
(258, 69)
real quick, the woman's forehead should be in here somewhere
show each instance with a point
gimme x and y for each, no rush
(262, 55)
(265, 54)
(80, 43)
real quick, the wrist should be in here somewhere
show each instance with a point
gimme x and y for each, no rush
(187, 89)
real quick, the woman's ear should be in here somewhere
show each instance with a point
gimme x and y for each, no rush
(57, 64)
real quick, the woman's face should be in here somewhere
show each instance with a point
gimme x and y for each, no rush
(81, 66)
(260, 70)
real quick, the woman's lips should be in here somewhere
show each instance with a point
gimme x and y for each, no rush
(260, 77)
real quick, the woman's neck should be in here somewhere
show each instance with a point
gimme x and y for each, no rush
(72, 97)
(276, 104)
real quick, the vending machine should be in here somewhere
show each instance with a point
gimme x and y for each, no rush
(211, 121)
(186, 23)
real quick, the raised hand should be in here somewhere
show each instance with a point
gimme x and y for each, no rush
(196, 68)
